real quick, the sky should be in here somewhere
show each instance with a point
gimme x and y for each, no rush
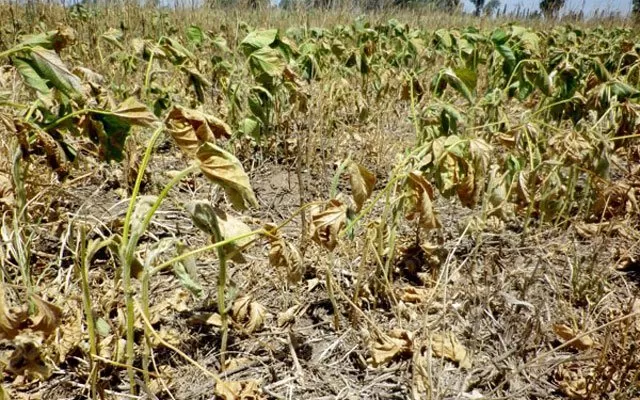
(589, 6)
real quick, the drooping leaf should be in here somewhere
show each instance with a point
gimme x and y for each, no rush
(52, 40)
(186, 272)
(220, 226)
(258, 39)
(50, 67)
(110, 129)
(191, 128)
(143, 206)
(224, 169)
(250, 127)
(113, 36)
(130, 112)
(420, 196)
(267, 61)
(231, 227)
(362, 183)
(30, 76)
(326, 225)
(283, 255)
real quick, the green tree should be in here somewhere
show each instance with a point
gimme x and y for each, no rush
(636, 9)
(491, 8)
(479, 4)
(550, 8)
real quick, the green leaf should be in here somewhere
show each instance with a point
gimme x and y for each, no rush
(444, 37)
(224, 169)
(499, 37)
(267, 61)
(250, 127)
(113, 36)
(50, 67)
(467, 76)
(111, 129)
(195, 35)
(622, 90)
(600, 70)
(258, 39)
(508, 55)
(30, 76)
(186, 272)
(447, 76)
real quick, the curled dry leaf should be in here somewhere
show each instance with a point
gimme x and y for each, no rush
(289, 316)
(15, 321)
(579, 341)
(362, 183)
(192, 128)
(284, 255)
(572, 380)
(467, 189)
(326, 225)
(248, 313)
(239, 390)
(47, 318)
(11, 321)
(420, 195)
(224, 169)
(397, 344)
(447, 346)
(412, 294)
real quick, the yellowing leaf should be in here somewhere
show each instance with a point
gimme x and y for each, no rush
(398, 343)
(579, 341)
(326, 225)
(223, 168)
(50, 67)
(191, 128)
(448, 346)
(215, 222)
(132, 112)
(362, 183)
(420, 206)
(248, 313)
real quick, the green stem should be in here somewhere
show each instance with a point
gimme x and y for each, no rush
(136, 187)
(12, 51)
(126, 259)
(204, 249)
(73, 115)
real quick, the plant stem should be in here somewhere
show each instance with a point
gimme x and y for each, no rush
(127, 249)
